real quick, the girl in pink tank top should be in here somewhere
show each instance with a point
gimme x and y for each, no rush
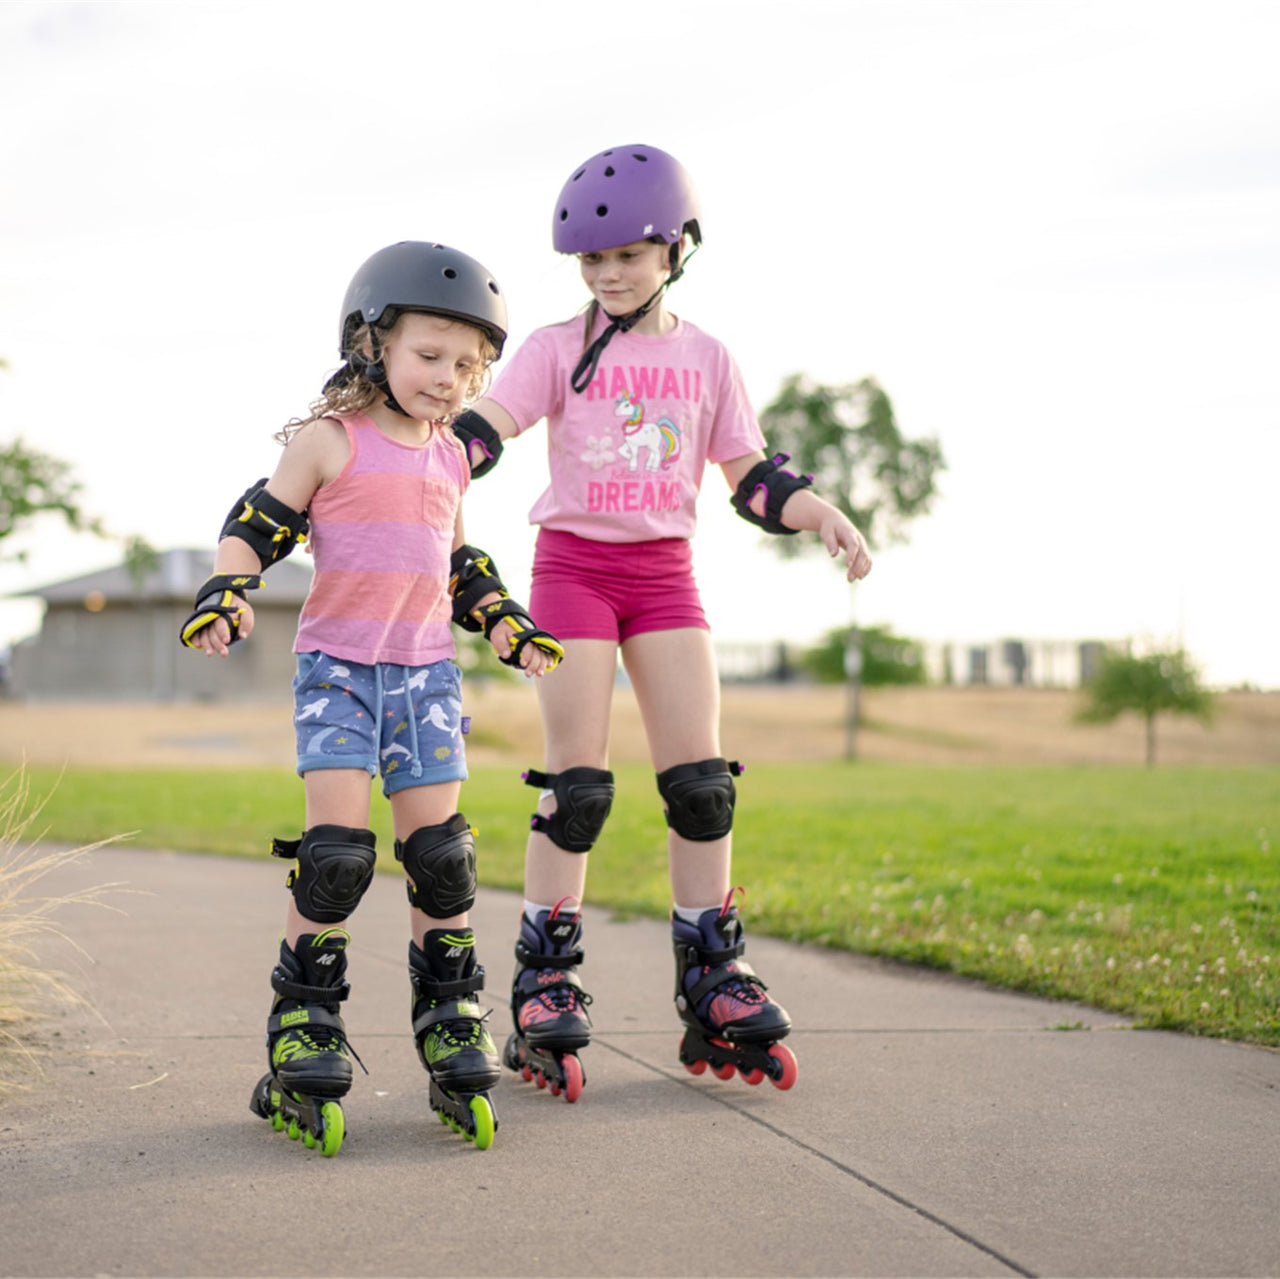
(377, 471)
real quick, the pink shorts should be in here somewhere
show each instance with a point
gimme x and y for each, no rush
(613, 590)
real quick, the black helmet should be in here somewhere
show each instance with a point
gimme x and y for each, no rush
(416, 275)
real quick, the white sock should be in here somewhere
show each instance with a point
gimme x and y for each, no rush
(533, 909)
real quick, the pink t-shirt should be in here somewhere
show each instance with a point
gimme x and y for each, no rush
(382, 534)
(627, 454)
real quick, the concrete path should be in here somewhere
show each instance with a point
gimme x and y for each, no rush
(937, 1128)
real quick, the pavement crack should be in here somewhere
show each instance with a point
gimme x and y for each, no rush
(869, 1182)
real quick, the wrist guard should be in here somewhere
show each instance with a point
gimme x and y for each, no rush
(507, 610)
(270, 527)
(218, 597)
(778, 485)
(472, 576)
(470, 427)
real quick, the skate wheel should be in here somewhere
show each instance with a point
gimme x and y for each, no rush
(335, 1128)
(573, 1077)
(526, 1072)
(277, 1121)
(753, 1077)
(294, 1130)
(727, 1071)
(308, 1139)
(698, 1067)
(786, 1065)
(540, 1079)
(485, 1124)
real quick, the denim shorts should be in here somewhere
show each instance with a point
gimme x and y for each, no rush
(613, 590)
(403, 721)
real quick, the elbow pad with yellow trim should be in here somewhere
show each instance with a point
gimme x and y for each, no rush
(270, 527)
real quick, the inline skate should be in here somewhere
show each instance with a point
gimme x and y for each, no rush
(548, 1004)
(732, 1025)
(448, 1027)
(308, 1055)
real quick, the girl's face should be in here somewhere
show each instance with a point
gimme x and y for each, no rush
(430, 363)
(623, 279)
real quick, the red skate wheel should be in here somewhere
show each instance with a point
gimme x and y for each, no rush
(753, 1077)
(727, 1071)
(788, 1067)
(696, 1067)
(573, 1077)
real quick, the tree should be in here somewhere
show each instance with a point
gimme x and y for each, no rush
(887, 659)
(1148, 686)
(33, 484)
(847, 437)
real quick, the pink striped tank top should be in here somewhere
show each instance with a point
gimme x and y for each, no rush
(382, 534)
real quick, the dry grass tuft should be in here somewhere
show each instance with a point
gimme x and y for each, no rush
(30, 992)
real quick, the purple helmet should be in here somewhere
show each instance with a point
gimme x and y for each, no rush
(623, 195)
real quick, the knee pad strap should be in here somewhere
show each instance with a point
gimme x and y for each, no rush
(583, 798)
(700, 798)
(334, 870)
(441, 864)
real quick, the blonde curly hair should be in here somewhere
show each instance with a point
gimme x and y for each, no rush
(349, 390)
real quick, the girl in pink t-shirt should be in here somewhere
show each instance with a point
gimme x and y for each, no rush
(637, 401)
(375, 475)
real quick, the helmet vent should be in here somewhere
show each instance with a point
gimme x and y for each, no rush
(609, 171)
(602, 210)
(644, 159)
(450, 273)
(493, 288)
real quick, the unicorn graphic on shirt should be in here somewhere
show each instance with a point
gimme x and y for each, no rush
(661, 439)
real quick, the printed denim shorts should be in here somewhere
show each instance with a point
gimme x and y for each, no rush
(403, 721)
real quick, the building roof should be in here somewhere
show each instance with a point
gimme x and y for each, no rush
(176, 577)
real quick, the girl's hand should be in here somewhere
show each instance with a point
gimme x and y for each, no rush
(839, 535)
(534, 661)
(215, 639)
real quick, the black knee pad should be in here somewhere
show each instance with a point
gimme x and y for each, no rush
(583, 798)
(441, 864)
(334, 870)
(700, 797)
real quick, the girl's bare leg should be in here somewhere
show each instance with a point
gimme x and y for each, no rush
(678, 690)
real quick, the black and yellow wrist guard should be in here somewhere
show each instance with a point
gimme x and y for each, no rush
(219, 597)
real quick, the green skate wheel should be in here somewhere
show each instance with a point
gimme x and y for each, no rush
(308, 1139)
(277, 1121)
(482, 1115)
(335, 1128)
(294, 1130)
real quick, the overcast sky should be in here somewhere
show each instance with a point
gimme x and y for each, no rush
(1051, 230)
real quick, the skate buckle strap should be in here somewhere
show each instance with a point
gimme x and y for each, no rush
(535, 959)
(312, 1017)
(722, 976)
(334, 994)
(433, 988)
(446, 1012)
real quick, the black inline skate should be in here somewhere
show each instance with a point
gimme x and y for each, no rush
(307, 1049)
(448, 1027)
(732, 1024)
(548, 1004)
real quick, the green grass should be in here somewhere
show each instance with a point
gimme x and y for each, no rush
(1153, 893)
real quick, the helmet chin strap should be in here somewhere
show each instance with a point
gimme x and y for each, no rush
(585, 369)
